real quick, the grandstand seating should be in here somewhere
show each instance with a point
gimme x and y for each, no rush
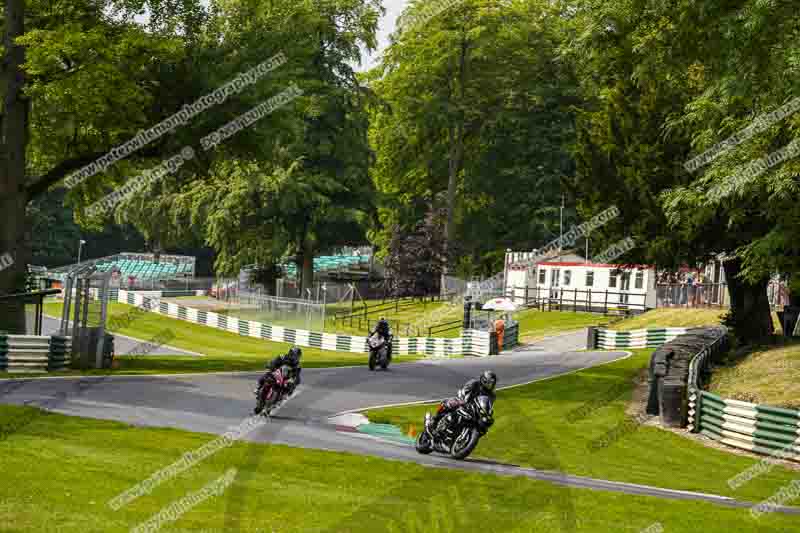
(143, 270)
(330, 262)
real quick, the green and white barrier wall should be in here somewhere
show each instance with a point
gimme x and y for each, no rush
(747, 426)
(33, 353)
(640, 338)
(471, 343)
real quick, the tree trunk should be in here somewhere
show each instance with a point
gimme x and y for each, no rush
(750, 315)
(456, 139)
(13, 195)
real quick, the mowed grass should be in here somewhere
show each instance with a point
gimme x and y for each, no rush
(533, 429)
(672, 317)
(59, 474)
(224, 351)
(406, 320)
(536, 324)
(768, 375)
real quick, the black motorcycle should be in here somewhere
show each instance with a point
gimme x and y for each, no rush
(458, 432)
(379, 351)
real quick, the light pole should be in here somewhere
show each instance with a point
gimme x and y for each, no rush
(587, 248)
(80, 246)
(561, 227)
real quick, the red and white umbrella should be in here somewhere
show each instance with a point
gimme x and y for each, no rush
(500, 304)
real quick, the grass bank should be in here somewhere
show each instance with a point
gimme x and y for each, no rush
(768, 375)
(534, 324)
(224, 351)
(60, 472)
(536, 427)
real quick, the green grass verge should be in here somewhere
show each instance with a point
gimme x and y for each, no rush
(59, 473)
(224, 351)
(536, 324)
(405, 321)
(767, 375)
(672, 317)
(532, 428)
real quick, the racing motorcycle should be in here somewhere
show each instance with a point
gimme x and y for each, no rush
(378, 351)
(459, 431)
(276, 388)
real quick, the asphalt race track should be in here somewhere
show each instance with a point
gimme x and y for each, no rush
(214, 403)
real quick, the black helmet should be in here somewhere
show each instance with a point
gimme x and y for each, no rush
(295, 354)
(488, 380)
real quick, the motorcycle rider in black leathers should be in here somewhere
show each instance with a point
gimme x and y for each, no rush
(291, 359)
(382, 328)
(483, 386)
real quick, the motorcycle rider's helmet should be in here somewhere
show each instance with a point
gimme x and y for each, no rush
(295, 354)
(383, 325)
(488, 380)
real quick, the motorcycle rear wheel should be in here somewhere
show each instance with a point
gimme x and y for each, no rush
(424, 444)
(464, 445)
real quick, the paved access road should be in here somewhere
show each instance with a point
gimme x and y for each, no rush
(122, 344)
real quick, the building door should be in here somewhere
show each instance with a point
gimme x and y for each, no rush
(555, 276)
(624, 287)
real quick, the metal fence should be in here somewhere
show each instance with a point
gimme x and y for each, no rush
(562, 299)
(712, 294)
(286, 312)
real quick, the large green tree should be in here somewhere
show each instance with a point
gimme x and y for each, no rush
(473, 105)
(76, 80)
(662, 84)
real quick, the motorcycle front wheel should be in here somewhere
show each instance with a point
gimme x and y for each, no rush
(465, 443)
(424, 444)
(372, 361)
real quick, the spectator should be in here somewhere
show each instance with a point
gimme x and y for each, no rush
(499, 328)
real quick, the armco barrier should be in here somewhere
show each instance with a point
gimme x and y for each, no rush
(33, 353)
(755, 428)
(641, 338)
(472, 342)
(59, 353)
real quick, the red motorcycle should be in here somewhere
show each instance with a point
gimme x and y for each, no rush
(278, 385)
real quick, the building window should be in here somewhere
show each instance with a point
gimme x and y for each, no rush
(639, 282)
(567, 277)
(612, 279)
(590, 278)
(542, 277)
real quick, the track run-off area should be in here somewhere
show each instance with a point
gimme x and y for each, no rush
(216, 402)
